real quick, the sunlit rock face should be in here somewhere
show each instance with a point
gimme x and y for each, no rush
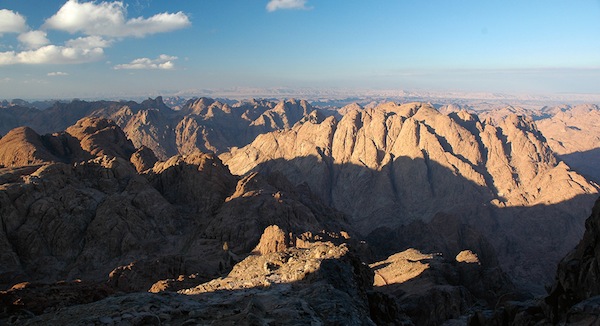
(86, 139)
(574, 134)
(431, 289)
(394, 164)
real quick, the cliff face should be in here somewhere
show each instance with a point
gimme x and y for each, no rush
(85, 206)
(394, 164)
(577, 285)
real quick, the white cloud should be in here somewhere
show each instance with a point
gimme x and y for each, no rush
(162, 62)
(7, 58)
(52, 54)
(102, 24)
(57, 73)
(110, 19)
(88, 42)
(33, 39)
(12, 22)
(274, 5)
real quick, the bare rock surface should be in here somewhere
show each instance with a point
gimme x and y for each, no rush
(577, 276)
(273, 239)
(143, 159)
(467, 256)
(23, 146)
(500, 178)
(178, 180)
(27, 299)
(431, 289)
(99, 137)
(88, 138)
(435, 195)
(321, 284)
(573, 299)
(574, 134)
(83, 221)
(103, 219)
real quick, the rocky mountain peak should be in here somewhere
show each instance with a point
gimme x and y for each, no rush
(198, 181)
(197, 106)
(23, 146)
(417, 162)
(155, 104)
(99, 136)
(89, 137)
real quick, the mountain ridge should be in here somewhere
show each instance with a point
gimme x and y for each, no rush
(416, 162)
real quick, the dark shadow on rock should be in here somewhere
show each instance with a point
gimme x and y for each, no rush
(420, 204)
(84, 221)
(339, 292)
(585, 163)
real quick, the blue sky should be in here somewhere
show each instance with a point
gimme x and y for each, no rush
(97, 49)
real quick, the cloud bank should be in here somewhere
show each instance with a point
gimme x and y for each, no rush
(12, 22)
(101, 23)
(33, 39)
(110, 19)
(274, 5)
(164, 62)
(52, 54)
(57, 73)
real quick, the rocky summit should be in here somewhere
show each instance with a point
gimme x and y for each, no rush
(275, 213)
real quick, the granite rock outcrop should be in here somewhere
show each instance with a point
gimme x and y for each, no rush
(500, 178)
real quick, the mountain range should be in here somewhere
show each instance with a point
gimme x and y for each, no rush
(391, 207)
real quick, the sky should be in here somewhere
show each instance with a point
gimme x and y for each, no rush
(93, 49)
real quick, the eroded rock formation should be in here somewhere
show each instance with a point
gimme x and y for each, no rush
(502, 179)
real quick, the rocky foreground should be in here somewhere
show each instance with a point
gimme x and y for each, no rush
(309, 281)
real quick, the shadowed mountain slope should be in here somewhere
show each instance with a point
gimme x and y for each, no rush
(394, 164)
(575, 295)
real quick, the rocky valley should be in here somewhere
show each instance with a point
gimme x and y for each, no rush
(274, 213)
